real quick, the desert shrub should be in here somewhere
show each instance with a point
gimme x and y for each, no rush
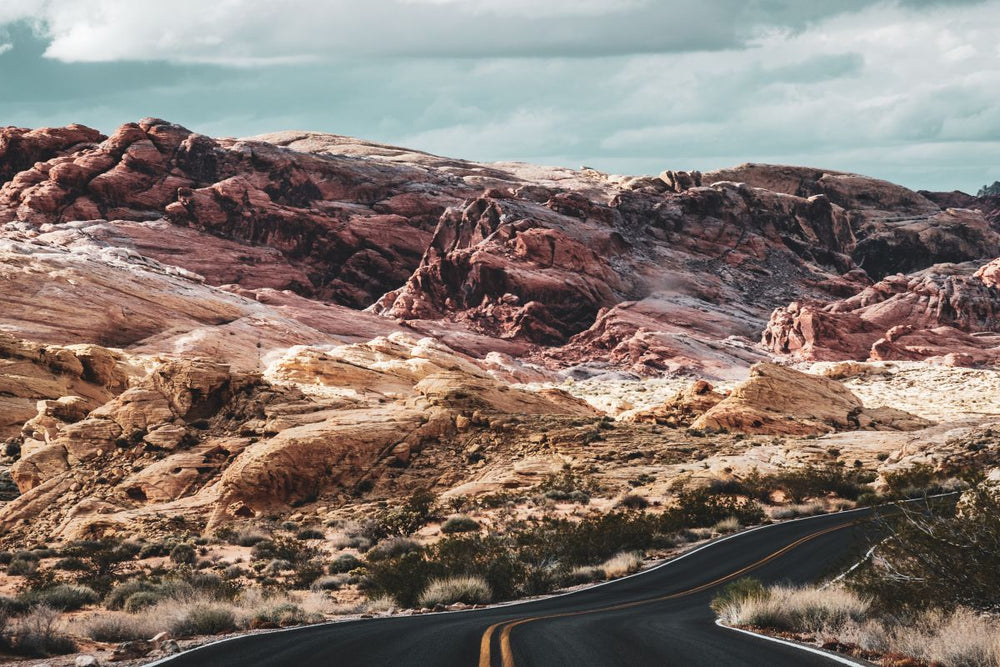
(105, 559)
(13, 606)
(403, 521)
(183, 554)
(154, 550)
(307, 572)
(567, 486)
(40, 634)
(329, 583)
(283, 548)
(246, 536)
(279, 565)
(583, 574)
(937, 552)
(702, 508)
(62, 597)
(802, 609)
(141, 600)
(20, 567)
(344, 563)
(621, 564)
(118, 627)
(310, 534)
(466, 589)
(633, 501)
(204, 619)
(728, 525)
(403, 578)
(116, 597)
(280, 615)
(737, 592)
(392, 547)
(71, 564)
(459, 524)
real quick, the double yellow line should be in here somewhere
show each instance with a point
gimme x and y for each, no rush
(506, 627)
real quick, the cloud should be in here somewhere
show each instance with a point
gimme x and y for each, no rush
(904, 90)
(255, 32)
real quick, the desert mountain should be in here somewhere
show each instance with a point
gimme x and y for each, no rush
(210, 329)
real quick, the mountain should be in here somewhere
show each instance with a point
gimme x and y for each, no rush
(216, 329)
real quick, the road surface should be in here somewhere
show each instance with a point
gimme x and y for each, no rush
(659, 617)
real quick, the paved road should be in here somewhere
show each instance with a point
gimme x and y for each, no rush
(660, 617)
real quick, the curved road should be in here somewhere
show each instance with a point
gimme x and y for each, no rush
(659, 617)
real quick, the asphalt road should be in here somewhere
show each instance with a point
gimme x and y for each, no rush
(660, 617)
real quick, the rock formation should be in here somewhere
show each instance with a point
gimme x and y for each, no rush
(782, 401)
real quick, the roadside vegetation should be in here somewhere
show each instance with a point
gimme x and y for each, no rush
(422, 553)
(924, 594)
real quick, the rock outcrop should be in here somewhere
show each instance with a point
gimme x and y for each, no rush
(945, 310)
(781, 401)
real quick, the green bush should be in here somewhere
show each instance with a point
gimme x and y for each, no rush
(392, 547)
(141, 600)
(20, 567)
(459, 524)
(62, 597)
(344, 563)
(183, 554)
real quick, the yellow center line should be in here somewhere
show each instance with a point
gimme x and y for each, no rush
(507, 655)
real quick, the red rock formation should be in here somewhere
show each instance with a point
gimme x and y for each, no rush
(930, 314)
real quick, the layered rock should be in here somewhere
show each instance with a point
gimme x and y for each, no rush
(946, 309)
(782, 401)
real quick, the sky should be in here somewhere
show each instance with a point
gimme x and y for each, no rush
(906, 90)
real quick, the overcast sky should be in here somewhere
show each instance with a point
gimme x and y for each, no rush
(907, 90)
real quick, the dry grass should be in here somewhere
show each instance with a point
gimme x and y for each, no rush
(727, 525)
(120, 627)
(961, 638)
(381, 605)
(788, 608)
(621, 564)
(467, 589)
(795, 510)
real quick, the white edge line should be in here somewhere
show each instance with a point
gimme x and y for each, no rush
(515, 603)
(844, 660)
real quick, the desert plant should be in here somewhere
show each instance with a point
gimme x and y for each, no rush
(204, 619)
(344, 563)
(466, 589)
(459, 523)
(141, 600)
(40, 633)
(118, 627)
(62, 597)
(183, 554)
(621, 564)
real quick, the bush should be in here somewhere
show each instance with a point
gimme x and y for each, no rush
(62, 597)
(141, 600)
(331, 583)
(392, 547)
(21, 567)
(459, 524)
(117, 627)
(40, 634)
(116, 598)
(281, 615)
(204, 619)
(344, 563)
(621, 565)
(183, 554)
(71, 564)
(633, 501)
(793, 609)
(466, 589)
(738, 592)
(310, 534)
(283, 548)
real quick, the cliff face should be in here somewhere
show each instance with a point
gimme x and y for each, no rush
(558, 267)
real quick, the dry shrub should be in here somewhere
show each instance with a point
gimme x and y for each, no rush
(467, 589)
(727, 525)
(789, 608)
(381, 604)
(621, 564)
(795, 510)
(961, 638)
(40, 633)
(121, 627)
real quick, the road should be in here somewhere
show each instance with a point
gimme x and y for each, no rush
(659, 617)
